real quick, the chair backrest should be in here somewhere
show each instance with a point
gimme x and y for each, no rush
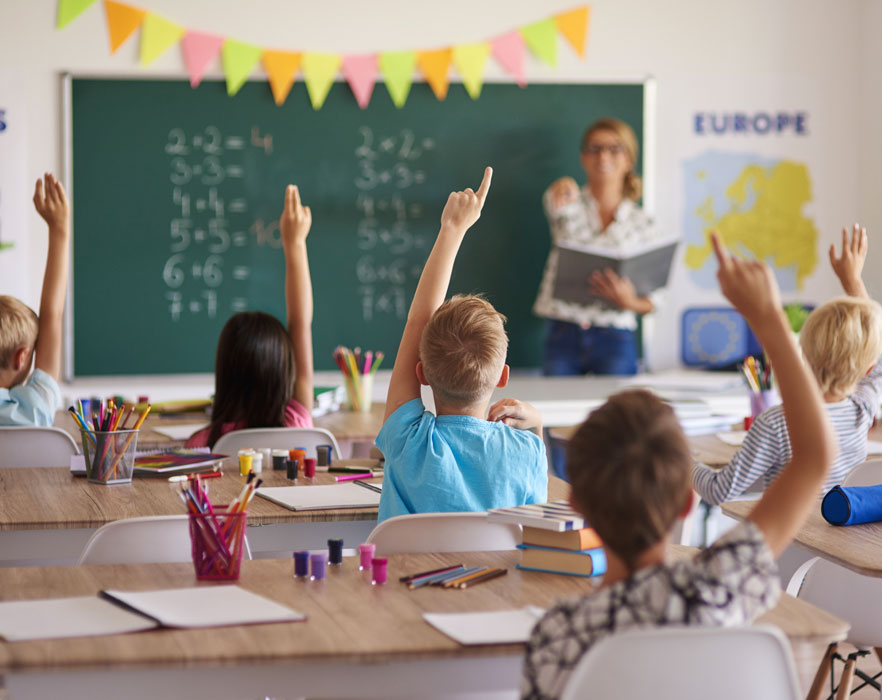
(866, 474)
(149, 540)
(443, 532)
(689, 663)
(844, 593)
(276, 438)
(35, 447)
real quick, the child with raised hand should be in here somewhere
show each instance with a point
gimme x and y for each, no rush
(263, 373)
(27, 339)
(841, 341)
(458, 460)
(629, 466)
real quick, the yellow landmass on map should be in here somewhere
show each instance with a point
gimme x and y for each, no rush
(773, 229)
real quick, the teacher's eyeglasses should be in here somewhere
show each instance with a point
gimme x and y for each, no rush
(595, 149)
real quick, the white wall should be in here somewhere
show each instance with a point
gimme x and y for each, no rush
(827, 52)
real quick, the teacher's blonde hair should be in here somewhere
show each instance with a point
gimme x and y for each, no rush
(633, 186)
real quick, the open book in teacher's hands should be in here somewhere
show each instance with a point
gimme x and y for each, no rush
(646, 266)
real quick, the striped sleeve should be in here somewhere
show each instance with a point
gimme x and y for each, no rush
(765, 450)
(868, 394)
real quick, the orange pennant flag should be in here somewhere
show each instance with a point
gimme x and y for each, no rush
(281, 67)
(573, 25)
(122, 21)
(435, 65)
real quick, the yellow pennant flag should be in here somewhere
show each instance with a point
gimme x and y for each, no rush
(470, 60)
(239, 59)
(281, 68)
(69, 10)
(122, 21)
(435, 65)
(157, 35)
(541, 37)
(319, 70)
(573, 26)
(397, 68)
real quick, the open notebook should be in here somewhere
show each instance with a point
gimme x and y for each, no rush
(120, 612)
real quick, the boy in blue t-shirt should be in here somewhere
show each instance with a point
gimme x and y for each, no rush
(32, 398)
(463, 459)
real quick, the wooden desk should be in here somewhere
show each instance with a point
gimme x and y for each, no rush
(855, 547)
(358, 641)
(48, 515)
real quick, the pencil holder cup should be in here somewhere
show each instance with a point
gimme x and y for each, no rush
(359, 394)
(217, 541)
(109, 455)
(763, 400)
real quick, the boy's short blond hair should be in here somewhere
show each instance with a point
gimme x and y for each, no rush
(18, 328)
(841, 340)
(463, 349)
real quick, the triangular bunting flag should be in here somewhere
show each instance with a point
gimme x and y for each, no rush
(69, 10)
(361, 74)
(122, 21)
(435, 65)
(470, 60)
(397, 67)
(199, 51)
(281, 67)
(541, 37)
(157, 34)
(508, 50)
(319, 70)
(239, 59)
(573, 25)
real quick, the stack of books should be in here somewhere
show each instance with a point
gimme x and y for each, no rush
(556, 539)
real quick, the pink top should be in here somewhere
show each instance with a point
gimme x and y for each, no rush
(296, 416)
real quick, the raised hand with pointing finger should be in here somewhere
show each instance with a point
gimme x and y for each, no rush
(463, 208)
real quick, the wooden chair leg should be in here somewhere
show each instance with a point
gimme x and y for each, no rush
(816, 692)
(845, 681)
(878, 651)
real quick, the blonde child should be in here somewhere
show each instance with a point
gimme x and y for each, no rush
(463, 459)
(629, 466)
(841, 342)
(263, 373)
(26, 340)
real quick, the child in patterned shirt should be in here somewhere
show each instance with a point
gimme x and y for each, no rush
(629, 466)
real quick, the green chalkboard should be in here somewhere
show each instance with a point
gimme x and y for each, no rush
(177, 194)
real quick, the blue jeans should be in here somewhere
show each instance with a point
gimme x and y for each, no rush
(571, 350)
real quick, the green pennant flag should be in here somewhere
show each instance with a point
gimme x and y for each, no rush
(470, 60)
(541, 37)
(157, 34)
(397, 67)
(239, 60)
(69, 10)
(319, 70)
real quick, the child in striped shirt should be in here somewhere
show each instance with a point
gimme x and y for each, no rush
(841, 342)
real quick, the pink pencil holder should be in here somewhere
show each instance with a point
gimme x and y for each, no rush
(762, 401)
(217, 542)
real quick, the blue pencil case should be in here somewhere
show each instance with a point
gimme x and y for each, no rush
(852, 505)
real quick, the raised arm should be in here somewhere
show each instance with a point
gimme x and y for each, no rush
(849, 265)
(294, 225)
(461, 211)
(50, 201)
(752, 290)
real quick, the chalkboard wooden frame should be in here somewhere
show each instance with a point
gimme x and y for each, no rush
(646, 133)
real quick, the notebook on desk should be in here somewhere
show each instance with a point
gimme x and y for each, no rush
(345, 495)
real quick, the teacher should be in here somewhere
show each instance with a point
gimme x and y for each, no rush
(596, 338)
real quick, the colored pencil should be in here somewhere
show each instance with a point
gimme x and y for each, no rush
(493, 573)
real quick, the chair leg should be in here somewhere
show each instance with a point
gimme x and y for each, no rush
(845, 681)
(878, 651)
(817, 689)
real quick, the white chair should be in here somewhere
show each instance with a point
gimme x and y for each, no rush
(688, 663)
(852, 597)
(865, 474)
(150, 540)
(276, 438)
(443, 532)
(36, 447)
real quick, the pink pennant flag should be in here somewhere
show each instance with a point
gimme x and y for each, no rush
(361, 74)
(508, 50)
(200, 50)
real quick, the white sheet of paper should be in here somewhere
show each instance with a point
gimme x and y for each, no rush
(58, 618)
(344, 495)
(499, 627)
(179, 432)
(207, 606)
(733, 437)
(687, 380)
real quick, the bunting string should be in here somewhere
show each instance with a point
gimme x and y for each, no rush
(239, 59)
